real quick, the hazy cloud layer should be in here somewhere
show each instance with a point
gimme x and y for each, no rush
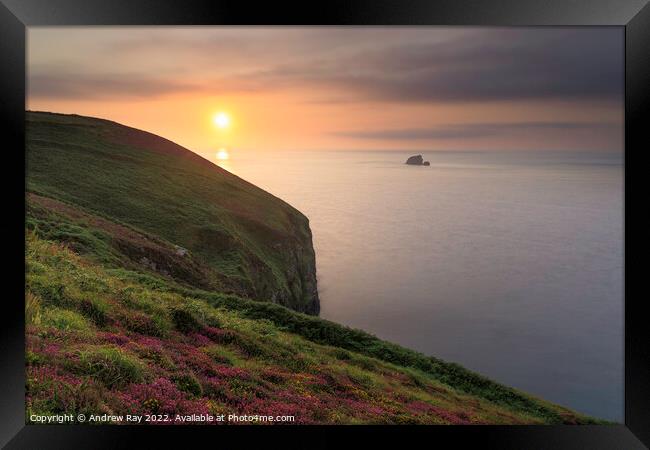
(105, 87)
(400, 65)
(481, 66)
(474, 130)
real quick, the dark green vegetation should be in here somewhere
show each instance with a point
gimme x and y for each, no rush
(120, 322)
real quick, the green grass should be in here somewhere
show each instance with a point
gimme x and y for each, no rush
(187, 382)
(112, 366)
(65, 320)
(184, 319)
(223, 355)
(32, 309)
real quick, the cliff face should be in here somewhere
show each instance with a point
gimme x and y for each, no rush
(162, 209)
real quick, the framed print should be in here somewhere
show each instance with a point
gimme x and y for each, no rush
(321, 223)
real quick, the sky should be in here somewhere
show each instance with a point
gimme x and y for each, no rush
(340, 88)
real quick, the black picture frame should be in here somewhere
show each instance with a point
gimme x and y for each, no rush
(16, 15)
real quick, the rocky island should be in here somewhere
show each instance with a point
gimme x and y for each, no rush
(417, 160)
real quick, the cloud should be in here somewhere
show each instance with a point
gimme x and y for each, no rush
(499, 65)
(474, 130)
(62, 85)
(356, 64)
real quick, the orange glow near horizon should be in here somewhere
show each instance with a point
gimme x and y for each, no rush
(189, 121)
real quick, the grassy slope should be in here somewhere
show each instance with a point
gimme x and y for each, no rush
(116, 341)
(109, 332)
(246, 240)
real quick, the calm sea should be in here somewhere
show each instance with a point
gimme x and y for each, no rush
(509, 263)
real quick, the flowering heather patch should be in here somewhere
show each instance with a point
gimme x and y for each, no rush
(137, 362)
(150, 342)
(191, 358)
(37, 345)
(138, 322)
(159, 397)
(230, 373)
(112, 338)
(215, 334)
(50, 376)
(151, 351)
(51, 391)
(275, 375)
(453, 418)
(216, 389)
(199, 340)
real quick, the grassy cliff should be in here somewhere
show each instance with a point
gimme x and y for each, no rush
(121, 321)
(240, 239)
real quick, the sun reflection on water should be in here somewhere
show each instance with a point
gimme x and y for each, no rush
(223, 159)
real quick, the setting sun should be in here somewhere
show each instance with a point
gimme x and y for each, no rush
(222, 120)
